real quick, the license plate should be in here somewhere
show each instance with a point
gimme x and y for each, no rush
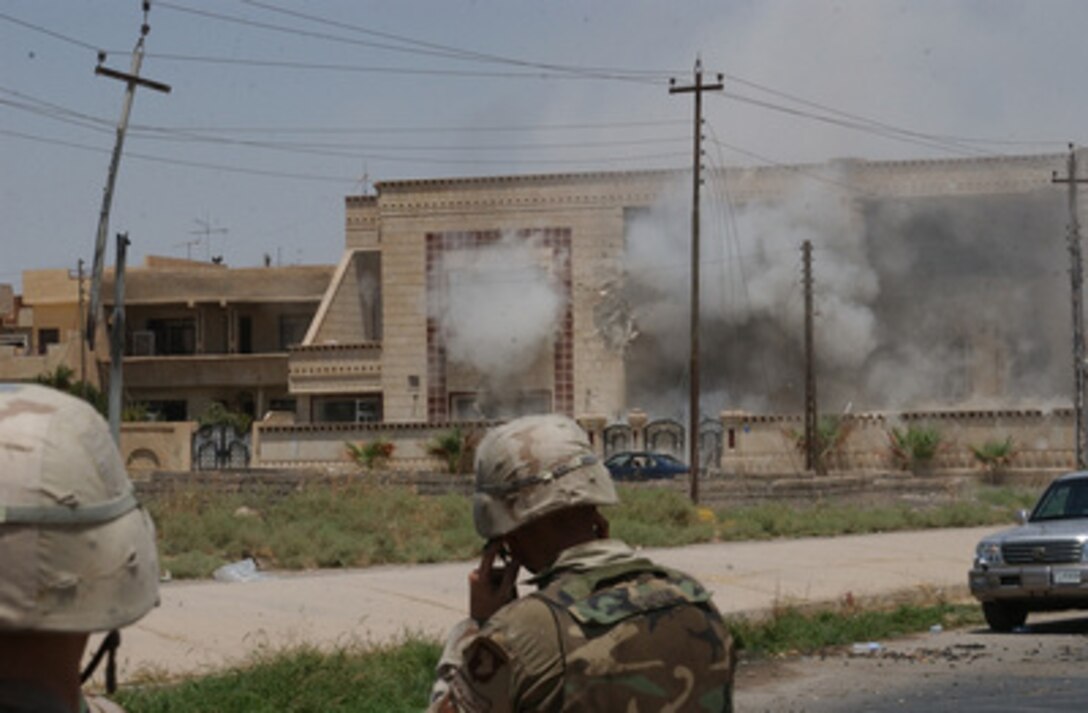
(1067, 576)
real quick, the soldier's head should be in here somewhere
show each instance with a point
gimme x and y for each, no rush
(535, 468)
(77, 552)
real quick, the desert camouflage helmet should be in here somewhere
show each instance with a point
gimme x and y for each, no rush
(77, 552)
(532, 466)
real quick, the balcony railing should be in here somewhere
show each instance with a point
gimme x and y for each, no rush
(179, 371)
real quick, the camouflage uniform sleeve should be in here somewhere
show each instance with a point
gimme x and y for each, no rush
(453, 652)
(512, 664)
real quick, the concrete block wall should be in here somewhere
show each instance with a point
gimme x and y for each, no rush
(767, 443)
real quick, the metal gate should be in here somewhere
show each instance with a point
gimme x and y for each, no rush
(710, 443)
(617, 437)
(220, 447)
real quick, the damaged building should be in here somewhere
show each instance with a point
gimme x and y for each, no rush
(938, 284)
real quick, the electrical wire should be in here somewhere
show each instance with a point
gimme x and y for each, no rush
(434, 51)
(371, 156)
(462, 53)
(857, 125)
(409, 71)
(487, 129)
(50, 33)
(940, 138)
(800, 170)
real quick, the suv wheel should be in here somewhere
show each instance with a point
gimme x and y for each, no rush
(1004, 617)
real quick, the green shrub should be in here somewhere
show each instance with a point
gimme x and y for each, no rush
(371, 455)
(914, 448)
(217, 414)
(994, 455)
(450, 447)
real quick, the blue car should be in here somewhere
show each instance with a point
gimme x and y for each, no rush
(643, 465)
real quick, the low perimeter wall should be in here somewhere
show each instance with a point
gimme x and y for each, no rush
(751, 444)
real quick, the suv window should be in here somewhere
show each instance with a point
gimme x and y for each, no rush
(1063, 500)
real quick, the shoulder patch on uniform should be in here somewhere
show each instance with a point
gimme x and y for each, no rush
(485, 657)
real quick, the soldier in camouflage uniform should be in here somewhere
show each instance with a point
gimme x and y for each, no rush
(606, 630)
(77, 552)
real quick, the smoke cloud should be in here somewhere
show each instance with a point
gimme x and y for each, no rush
(919, 303)
(500, 311)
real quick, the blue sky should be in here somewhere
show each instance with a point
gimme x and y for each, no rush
(280, 108)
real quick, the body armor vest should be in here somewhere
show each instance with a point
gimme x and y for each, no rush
(638, 637)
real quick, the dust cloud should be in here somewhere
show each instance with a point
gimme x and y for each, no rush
(919, 303)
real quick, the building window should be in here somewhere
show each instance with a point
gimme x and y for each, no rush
(473, 406)
(245, 335)
(361, 409)
(282, 405)
(465, 407)
(167, 410)
(173, 336)
(47, 337)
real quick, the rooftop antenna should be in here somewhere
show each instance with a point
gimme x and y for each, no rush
(207, 231)
(188, 245)
(363, 185)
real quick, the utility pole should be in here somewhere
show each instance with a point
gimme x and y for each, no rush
(812, 445)
(693, 414)
(117, 338)
(1076, 275)
(132, 79)
(82, 328)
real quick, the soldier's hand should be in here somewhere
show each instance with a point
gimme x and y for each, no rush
(490, 588)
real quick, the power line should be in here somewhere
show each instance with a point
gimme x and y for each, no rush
(800, 170)
(946, 139)
(46, 31)
(859, 126)
(459, 52)
(417, 48)
(362, 69)
(584, 126)
(376, 157)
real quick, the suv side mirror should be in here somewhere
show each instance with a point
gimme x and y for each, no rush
(1022, 517)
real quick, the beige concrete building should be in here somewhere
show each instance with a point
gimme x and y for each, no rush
(195, 333)
(937, 283)
(40, 328)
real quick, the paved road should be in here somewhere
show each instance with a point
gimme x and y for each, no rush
(201, 626)
(1038, 669)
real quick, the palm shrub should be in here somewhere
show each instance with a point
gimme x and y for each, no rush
(831, 434)
(372, 454)
(449, 447)
(63, 379)
(915, 447)
(217, 414)
(994, 455)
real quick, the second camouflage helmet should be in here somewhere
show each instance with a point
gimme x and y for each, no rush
(77, 552)
(533, 466)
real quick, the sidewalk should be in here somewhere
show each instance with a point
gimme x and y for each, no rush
(206, 625)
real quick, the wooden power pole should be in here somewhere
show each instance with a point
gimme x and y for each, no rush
(812, 445)
(117, 339)
(693, 415)
(132, 79)
(1076, 275)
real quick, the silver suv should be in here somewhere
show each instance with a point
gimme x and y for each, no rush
(1042, 565)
